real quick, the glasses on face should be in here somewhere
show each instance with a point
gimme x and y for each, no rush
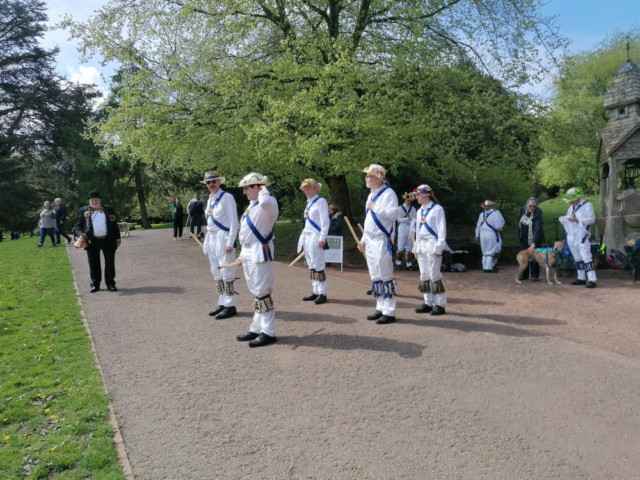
(532, 207)
(209, 182)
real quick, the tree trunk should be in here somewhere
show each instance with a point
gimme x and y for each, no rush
(137, 175)
(340, 193)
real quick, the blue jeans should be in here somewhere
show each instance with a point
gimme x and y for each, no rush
(535, 266)
(47, 231)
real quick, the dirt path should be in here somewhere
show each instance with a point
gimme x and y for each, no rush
(516, 382)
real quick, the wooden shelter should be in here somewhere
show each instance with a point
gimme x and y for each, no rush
(619, 159)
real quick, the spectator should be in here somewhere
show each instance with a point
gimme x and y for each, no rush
(47, 224)
(196, 210)
(531, 234)
(336, 225)
(61, 217)
(177, 215)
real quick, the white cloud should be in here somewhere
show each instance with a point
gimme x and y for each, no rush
(86, 75)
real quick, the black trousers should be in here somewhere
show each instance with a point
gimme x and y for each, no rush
(177, 227)
(196, 221)
(535, 266)
(93, 255)
(60, 231)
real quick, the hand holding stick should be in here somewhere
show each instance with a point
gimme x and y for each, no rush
(355, 237)
(298, 258)
(232, 264)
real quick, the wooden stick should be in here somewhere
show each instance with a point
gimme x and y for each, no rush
(298, 258)
(196, 239)
(229, 265)
(355, 237)
(361, 229)
(413, 238)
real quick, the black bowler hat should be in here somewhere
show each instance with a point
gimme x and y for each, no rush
(93, 194)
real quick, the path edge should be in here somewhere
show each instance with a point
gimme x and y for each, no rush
(121, 450)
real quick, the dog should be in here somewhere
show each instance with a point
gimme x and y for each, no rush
(548, 257)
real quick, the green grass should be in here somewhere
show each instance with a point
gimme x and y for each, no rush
(53, 410)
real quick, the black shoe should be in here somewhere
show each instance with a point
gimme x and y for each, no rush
(424, 308)
(216, 311)
(579, 282)
(521, 278)
(54, 244)
(496, 269)
(321, 299)
(410, 268)
(369, 292)
(590, 285)
(375, 316)
(68, 241)
(534, 279)
(112, 288)
(491, 271)
(247, 336)
(227, 312)
(95, 288)
(262, 340)
(40, 246)
(386, 319)
(310, 298)
(438, 310)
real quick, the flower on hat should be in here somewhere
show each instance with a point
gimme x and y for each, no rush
(573, 194)
(408, 196)
(253, 179)
(310, 182)
(488, 204)
(376, 171)
(423, 190)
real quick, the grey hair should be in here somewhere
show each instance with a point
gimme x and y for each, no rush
(47, 201)
(57, 199)
(532, 200)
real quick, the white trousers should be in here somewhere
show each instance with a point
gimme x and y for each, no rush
(314, 256)
(490, 248)
(215, 246)
(260, 281)
(380, 264)
(404, 238)
(582, 253)
(430, 271)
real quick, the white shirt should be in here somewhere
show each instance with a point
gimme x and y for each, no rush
(494, 218)
(99, 224)
(225, 213)
(438, 223)
(263, 214)
(318, 214)
(406, 217)
(386, 209)
(585, 215)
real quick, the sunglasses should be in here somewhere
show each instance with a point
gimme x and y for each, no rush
(209, 182)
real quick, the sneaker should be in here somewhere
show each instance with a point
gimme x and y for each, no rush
(54, 244)
(40, 246)
(175, 238)
(180, 238)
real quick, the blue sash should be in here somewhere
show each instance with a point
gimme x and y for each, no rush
(377, 222)
(264, 241)
(425, 215)
(573, 214)
(486, 215)
(314, 224)
(215, 222)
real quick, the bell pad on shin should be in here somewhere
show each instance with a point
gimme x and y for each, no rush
(263, 304)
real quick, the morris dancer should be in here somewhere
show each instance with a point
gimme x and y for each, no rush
(490, 223)
(406, 222)
(577, 223)
(222, 229)
(377, 243)
(256, 237)
(431, 234)
(313, 239)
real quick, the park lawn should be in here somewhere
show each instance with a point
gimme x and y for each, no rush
(53, 410)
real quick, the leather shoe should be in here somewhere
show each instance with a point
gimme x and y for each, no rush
(216, 311)
(310, 298)
(590, 285)
(227, 312)
(375, 316)
(95, 288)
(247, 336)
(321, 299)
(112, 288)
(579, 282)
(386, 319)
(424, 308)
(262, 340)
(369, 292)
(438, 310)
(490, 271)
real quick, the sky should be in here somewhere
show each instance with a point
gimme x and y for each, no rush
(585, 22)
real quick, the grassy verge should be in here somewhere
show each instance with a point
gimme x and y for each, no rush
(53, 411)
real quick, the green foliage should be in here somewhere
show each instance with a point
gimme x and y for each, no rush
(52, 406)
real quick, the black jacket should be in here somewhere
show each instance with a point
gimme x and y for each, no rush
(61, 213)
(538, 231)
(84, 221)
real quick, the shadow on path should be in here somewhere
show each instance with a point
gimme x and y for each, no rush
(370, 302)
(354, 342)
(465, 326)
(148, 290)
(312, 317)
(512, 319)
(471, 301)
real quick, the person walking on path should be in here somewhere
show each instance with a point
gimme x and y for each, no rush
(377, 242)
(490, 223)
(177, 217)
(61, 218)
(98, 224)
(530, 234)
(431, 241)
(219, 244)
(256, 237)
(196, 210)
(406, 223)
(577, 224)
(313, 239)
(47, 224)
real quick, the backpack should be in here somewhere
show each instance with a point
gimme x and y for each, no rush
(620, 259)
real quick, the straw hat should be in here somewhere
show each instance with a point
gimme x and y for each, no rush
(376, 171)
(310, 182)
(424, 190)
(488, 204)
(573, 194)
(253, 179)
(208, 176)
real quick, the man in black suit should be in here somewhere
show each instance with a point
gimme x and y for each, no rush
(99, 225)
(61, 217)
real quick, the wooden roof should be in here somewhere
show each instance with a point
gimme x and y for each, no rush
(625, 88)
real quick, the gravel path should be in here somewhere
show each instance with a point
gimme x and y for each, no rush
(515, 382)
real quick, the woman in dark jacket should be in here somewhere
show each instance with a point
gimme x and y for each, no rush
(531, 234)
(177, 217)
(336, 222)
